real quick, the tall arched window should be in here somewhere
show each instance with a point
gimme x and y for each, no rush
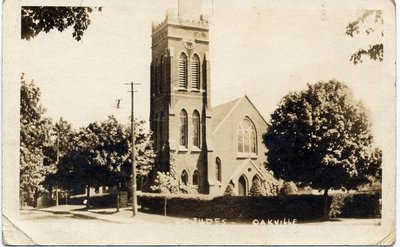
(218, 169)
(243, 186)
(196, 72)
(183, 70)
(246, 137)
(184, 128)
(196, 178)
(196, 128)
(184, 177)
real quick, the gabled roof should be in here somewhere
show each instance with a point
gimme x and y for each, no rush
(223, 111)
(241, 170)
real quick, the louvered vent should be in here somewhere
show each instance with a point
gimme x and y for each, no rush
(196, 72)
(183, 71)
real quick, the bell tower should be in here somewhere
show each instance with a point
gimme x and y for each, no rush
(180, 110)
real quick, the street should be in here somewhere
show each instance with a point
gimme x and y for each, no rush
(72, 225)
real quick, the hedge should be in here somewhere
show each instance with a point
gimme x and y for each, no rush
(300, 207)
(103, 200)
(361, 206)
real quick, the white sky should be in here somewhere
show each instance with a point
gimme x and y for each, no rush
(259, 48)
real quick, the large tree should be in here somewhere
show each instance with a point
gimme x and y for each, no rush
(321, 137)
(102, 155)
(34, 140)
(62, 140)
(37, 19)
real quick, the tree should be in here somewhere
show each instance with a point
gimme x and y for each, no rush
(62, 136)
(256, 189)
(34, 139)
(102, 155)
(361, 25)
(36, 19)
(321, 137)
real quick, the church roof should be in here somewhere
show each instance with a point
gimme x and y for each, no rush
(223, 111)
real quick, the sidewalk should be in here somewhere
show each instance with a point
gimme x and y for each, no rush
(124, 216)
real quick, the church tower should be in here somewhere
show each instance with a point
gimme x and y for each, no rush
(180, 113)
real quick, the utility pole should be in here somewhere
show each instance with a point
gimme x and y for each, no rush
(134, 196)
(57, 160)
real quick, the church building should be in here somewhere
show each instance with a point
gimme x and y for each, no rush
(210, 147)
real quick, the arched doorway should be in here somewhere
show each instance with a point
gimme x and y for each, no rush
(242, 186)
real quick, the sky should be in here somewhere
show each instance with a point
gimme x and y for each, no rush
(262, 49)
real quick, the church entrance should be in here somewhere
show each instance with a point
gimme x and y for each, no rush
(242, 186)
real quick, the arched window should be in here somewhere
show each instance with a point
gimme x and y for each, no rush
(196, 178)
(184, 177)
(218, 169)
(256, 178)
(242, 186)
(183, 70)
(184, 128)
(196, 72)
(196, 128)
(246, 137)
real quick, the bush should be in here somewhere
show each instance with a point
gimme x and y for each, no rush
(272, 185)
(229, 191)
(256, 189)
(336, 206)
(168, 182)
(288, 188)
(104, 200)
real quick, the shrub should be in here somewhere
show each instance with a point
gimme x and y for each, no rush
(272, 185)
(103, 200)
(336, 206)
(256, 189)
(361, 206)
(229, 191)
(167, 182)
(288, 188)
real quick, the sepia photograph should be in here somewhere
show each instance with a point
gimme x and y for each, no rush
(199, 122)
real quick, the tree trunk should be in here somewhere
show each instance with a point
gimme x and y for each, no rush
(165, 206)
(118, 197)
(326, 206)
(87, 196)
(57, 196)
(35, 198)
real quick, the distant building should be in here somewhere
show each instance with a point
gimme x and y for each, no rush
(212, 146)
